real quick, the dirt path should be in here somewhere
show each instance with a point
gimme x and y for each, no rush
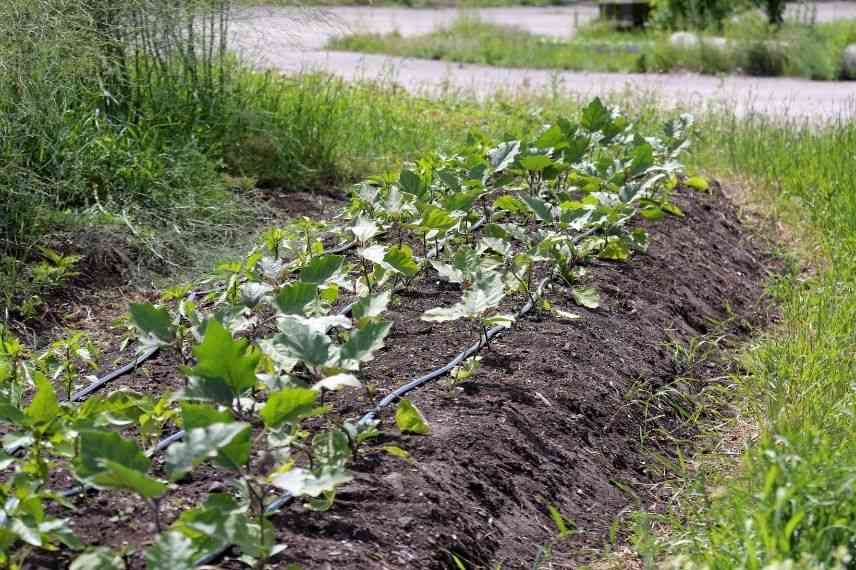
(292, 40)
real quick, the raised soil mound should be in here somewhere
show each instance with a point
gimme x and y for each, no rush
(555, 416)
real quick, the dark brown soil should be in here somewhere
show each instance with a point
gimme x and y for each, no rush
(556, 415)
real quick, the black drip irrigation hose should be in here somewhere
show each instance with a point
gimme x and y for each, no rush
(112, 375)
(438, 372)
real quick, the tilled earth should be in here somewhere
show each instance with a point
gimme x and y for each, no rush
(562, 412)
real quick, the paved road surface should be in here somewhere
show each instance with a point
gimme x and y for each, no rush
(293, 40)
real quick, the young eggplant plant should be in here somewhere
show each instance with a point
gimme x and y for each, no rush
(477, 304)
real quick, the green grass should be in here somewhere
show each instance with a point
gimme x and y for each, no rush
(810, 51)
(792, 497)
(470, 40)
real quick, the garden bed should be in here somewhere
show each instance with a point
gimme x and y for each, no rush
(553, 417)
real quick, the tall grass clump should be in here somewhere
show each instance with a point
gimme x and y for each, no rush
(109, 103)
(792, 503)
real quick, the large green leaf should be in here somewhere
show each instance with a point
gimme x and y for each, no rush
(100, 558)
(400, 258)
(118, 476)
(288, 405)
(586, 297)
(615, 250)
(200, 444)
(543, 211)
(462, 201)
(576, 149)
(321, 268)
(551, 138)
(201, 416)
(97, 446)
(371, 306)
(222, 361)
(362, 345)
(595, 116)
(304, 342)
(436, 218)
(44, 407)
(409, 419)
(155, 324)
(303, 482)
(293, 299)
(411, 183)
(509, 203)
(486, 293)
(536, 162)
(642, 158)
(172, 551)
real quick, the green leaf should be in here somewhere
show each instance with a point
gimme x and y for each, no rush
(305, 343)
(411, 183)
(586, 297)
(503, 155)
(400, 258)
(398, 452)
(337, 381)
(302, 482)
(651, 212)
(172, 551)
(200, 444)
(153, 323)
(371, 306)
(44, 408)
(595, 116)
(486, 293)
(510, 204)
(642, 160)
(97, 446)
(364, 229)
(543, 211)
(409, 419)
(577, 147)
(118, 476)
(615, 250)
(698, 183)
(551, 138)
(362, 345)
(100, 558)
(288, 405)
(11, 413)
(559, 521)
(462, 201)
(225, 367)
(201, 416)
(673, 209)
(321, 268)
(436, 218)
(293, 299)
(536, 162)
